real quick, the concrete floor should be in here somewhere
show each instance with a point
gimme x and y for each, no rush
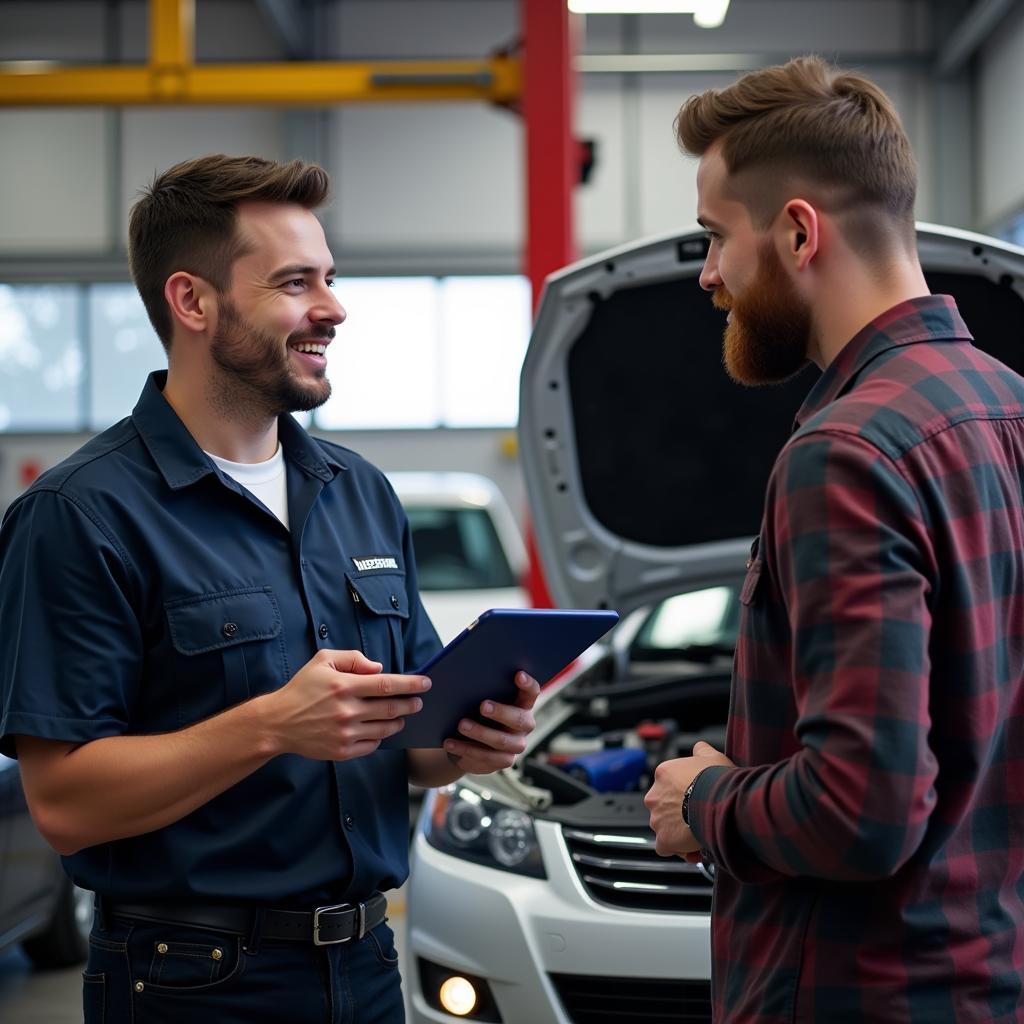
(55, 997)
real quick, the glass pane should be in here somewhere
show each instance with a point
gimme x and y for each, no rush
(1015, 231)
(124, 349)
(485, 328)
(383, 363)
(683, 624)
(457, 549)
(40, 358)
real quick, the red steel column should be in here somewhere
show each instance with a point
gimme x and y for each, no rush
(552, 169)
(552, 159)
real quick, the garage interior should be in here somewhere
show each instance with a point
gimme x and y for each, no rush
(475, 147)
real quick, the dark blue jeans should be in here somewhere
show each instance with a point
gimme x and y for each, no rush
(144, 973)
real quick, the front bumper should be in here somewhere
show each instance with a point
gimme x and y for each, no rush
(518, 932)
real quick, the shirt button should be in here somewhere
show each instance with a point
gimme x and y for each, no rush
(229, 629)
(394, 601)
(323, 631)
(350, 822)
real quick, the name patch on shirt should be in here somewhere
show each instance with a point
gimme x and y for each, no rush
(375, 562)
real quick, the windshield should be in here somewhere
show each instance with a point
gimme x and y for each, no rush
(701, 621)
(458, 549)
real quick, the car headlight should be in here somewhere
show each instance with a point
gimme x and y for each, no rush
(468, 823)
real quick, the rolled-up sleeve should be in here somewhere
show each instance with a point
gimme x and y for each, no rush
(849, 564)
(71, 656)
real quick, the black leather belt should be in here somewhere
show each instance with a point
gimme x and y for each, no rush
(324, 926)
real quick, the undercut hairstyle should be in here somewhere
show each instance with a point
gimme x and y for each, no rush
(807, 126)
(187, 220)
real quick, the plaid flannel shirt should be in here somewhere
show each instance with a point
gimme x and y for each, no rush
(870, 841)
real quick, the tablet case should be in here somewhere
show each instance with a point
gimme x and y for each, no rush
(481, 663)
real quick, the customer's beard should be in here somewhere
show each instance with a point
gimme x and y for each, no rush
(769, 334)
(257, 381)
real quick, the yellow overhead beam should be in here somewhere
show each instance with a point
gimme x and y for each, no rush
(172, 77)
(35, 83)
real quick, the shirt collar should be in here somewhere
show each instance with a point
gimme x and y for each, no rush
(182, 462)
(928, 318)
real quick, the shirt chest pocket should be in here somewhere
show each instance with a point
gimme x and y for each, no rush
(755, 569)
(382, 609)
(229, 647)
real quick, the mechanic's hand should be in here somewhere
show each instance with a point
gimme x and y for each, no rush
(339, 706)
(488, 749)
(665, 801)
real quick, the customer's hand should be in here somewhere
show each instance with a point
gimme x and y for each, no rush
(481, 749)
(665, 800)
(339, 706)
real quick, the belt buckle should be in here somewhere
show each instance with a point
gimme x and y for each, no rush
(360, 910)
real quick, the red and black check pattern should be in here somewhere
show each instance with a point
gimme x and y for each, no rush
(870, 844)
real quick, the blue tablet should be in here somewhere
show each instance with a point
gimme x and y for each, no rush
(481, 663)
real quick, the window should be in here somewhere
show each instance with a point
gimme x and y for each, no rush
(123, 350)
(41, 348)
(694, 624)
(485, 327)
(414, 352)
(383, 362)
(1015, 231)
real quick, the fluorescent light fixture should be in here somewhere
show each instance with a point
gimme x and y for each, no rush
(706, 13)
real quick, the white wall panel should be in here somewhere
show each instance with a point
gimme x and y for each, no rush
(54, 195)
(155, 138)
(428, 176)
(668, 180)
(1000, 118)
(601, 203)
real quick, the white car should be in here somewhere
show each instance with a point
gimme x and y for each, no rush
(469, 552)
(536, 896)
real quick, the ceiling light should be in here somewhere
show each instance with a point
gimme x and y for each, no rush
(706, 13)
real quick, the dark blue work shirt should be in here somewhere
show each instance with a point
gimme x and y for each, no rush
(142, 590)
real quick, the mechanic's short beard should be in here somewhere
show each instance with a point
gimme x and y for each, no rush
(768, 338)
(258, 380)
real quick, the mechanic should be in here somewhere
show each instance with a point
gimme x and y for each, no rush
(207, 617)
(865, 819)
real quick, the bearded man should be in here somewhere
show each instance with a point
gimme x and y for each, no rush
(865, 818)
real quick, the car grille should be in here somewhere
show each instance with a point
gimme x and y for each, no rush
(590, 999)
(622, 869)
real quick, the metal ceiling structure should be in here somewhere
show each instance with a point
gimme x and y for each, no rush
(172, 77)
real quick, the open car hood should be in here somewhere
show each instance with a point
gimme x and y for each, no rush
(646, 466)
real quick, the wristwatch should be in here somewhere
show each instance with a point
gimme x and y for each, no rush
(689, 793)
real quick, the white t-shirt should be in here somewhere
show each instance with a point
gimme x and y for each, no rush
(266, 480)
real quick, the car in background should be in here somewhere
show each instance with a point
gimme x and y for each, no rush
(536, 894)
(469, 552)
(40, 907)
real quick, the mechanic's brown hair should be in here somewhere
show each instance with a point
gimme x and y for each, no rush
(187, 220)
(808, 126)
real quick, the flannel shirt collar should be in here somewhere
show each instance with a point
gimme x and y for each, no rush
(928, 318)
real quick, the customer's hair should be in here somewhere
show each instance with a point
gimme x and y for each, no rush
(187, 220)
(806, 125)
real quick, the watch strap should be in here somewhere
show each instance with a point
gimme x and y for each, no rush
(689, 792)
